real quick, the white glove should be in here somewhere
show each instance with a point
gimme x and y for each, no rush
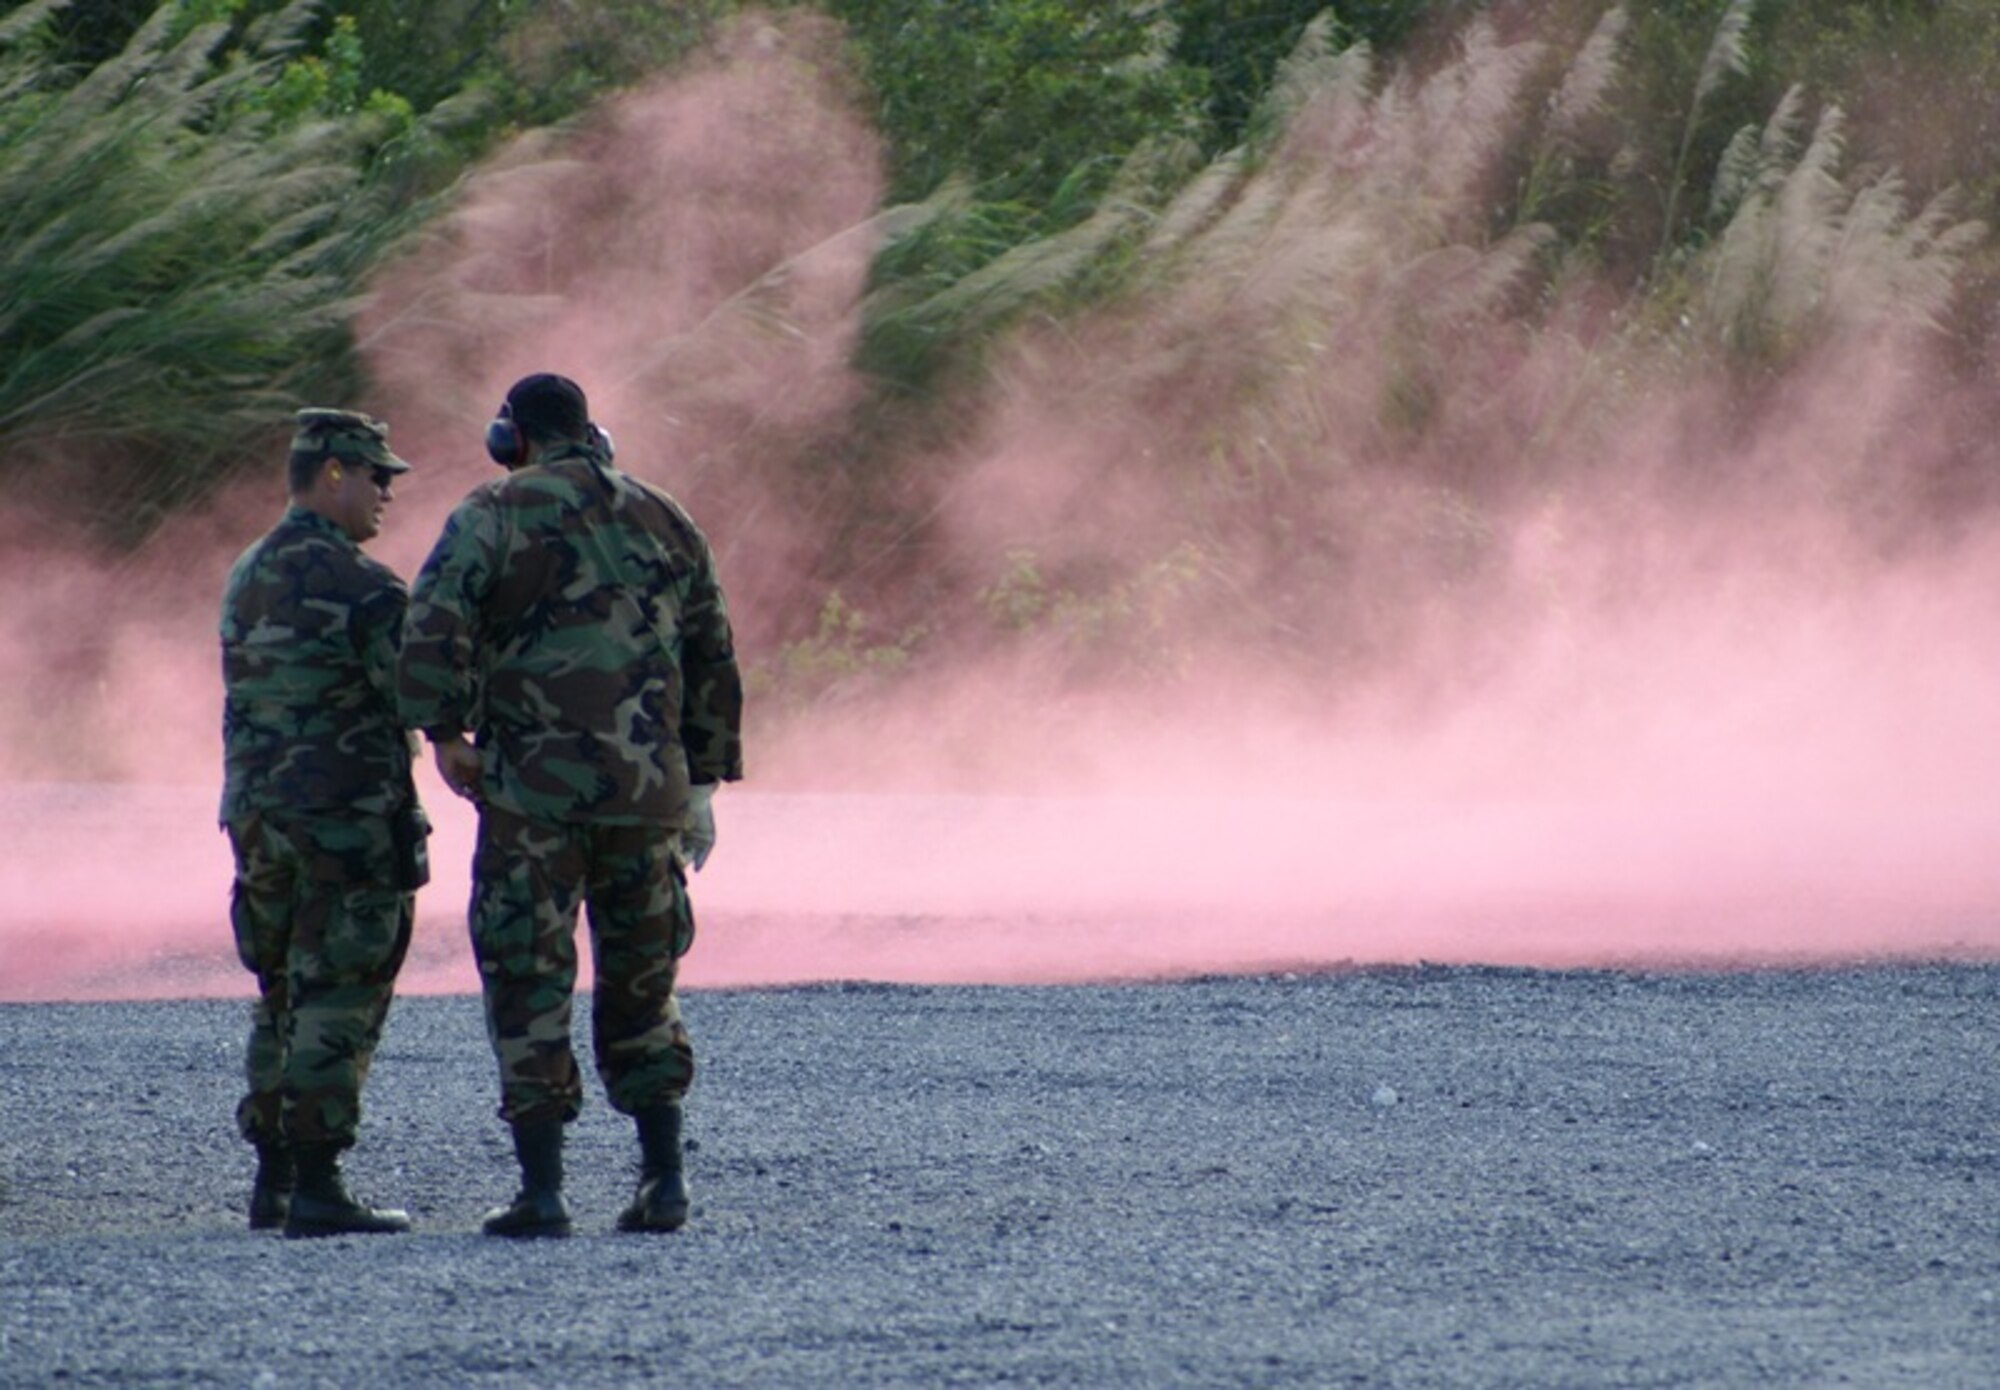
(698, 839)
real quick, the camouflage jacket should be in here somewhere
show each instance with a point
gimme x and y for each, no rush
(310, 627)
(570, 616)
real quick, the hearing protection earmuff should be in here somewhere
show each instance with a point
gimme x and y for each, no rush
(504, 444)
(506, 447)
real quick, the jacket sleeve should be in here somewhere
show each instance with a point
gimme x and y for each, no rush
(378, 633)
(434, 673)
(712, 687)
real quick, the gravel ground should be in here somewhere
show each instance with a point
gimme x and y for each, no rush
(1411, 1177)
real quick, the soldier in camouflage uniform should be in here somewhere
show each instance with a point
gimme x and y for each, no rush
(322, 817)
(570, 617)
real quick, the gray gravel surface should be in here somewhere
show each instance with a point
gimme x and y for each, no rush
(1413, 1177)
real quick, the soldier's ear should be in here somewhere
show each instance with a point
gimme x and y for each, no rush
(333, 472)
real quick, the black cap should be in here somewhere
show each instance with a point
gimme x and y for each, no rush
(547, 406)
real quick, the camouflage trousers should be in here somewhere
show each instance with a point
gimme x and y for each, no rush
(322, 921)
(529, 878)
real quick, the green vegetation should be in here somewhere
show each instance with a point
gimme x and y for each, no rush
(178, 248)
(835, 661)
(194, 193)
(1160, 203)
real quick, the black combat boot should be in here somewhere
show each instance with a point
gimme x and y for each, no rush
(271, 1189)
(539, 1209)
(320, 1204)
(661, 1203)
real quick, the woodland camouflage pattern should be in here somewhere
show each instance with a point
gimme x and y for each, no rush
(528, 879)
(571, 616)
(322, 818)
(322, 919)
(310, 628)
(347, 435)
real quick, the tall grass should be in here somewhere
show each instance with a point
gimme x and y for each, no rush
(1808, 253)
(1728, 56)
(175, 263)
(1340, 359)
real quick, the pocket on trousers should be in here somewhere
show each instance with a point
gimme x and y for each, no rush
(366, 936)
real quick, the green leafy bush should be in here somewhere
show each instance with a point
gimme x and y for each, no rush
(1015, 96)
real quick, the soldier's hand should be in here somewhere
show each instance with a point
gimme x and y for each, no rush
(699, 836)
(458, 764)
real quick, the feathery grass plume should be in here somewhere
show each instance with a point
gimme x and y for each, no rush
(1588, 80)
(1741, 273)
(1223, 262)
(1728, 52)
(1319, 108)
(1728, 55)
(1196, 206)
(1892, 270)
(1466, 115)
(1316, 313)
(1034, 269)
(1312, 70)
(1336, 112)
(932, 247)
(1558, 150)
(1459, 283)
(26, 22)
(1335, 382)
(1805, 255)
(170, 261)
(1360, 187)
(1736, 171)
(1809, 220)
(1761, 155)
(908, 335)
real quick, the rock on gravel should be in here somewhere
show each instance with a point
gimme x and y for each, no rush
(1400, 1177)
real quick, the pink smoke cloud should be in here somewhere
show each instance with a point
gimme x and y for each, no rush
(1353, 617)
(694, 257)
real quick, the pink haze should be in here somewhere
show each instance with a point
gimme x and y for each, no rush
(1690, 715)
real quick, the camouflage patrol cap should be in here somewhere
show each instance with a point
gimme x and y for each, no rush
(347, 435)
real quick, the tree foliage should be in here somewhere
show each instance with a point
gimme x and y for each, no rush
(1036, 89)
(193, 191)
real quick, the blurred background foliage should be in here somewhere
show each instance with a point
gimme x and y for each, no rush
(194, 193)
